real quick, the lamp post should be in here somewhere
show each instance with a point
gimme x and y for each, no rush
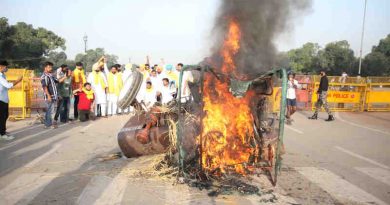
(85, 38)
(361, 40)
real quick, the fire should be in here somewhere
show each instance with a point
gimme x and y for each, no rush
(227, 122)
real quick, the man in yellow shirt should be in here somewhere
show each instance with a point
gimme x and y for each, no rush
(115, 84)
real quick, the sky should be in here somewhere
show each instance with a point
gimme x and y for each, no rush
(180, 30)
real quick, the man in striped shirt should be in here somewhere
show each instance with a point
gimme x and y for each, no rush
(48, 82)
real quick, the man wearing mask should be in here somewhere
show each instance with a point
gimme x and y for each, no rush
(4, 99)
(322, 94)
(77, 83)
(99, 86)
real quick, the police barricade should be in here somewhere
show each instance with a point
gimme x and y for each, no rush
(304, 92)
(378, 94)
(19, 95)
(36, 93)
(344, 94)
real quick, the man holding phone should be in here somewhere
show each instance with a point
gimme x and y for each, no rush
(4, 99)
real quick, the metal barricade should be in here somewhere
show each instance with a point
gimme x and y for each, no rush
(378, 94)
(344, 94)
(20, 95)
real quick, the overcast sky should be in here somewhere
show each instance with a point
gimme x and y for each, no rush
(179, 30)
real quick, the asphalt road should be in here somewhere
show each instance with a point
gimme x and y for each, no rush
(342, 162)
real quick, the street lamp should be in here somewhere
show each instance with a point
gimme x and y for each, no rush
(85, 42)
(361, 40)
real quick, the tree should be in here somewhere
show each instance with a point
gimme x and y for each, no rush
(304, 59)
(24, 46)
(337, 57)
(378, 61)
(374, 64)
(383, 46)
(92, 56)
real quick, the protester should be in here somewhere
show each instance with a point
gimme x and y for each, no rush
(115, 85)
(186, 78)
(77, 83)
(322, 94)
(292, 85)
(64, 92)
(49, 86)
(86, 102)
(166, 92)
(156, 82)
(4, 100)
(172, 76)
(149, 97)
(98, 83)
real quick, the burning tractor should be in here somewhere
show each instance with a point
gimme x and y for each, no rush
(232, 125)
(229, 126)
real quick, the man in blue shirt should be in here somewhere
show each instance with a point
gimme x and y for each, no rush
(4, 87)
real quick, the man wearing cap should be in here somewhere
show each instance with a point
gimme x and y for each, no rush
(4, 100)
(322, 94)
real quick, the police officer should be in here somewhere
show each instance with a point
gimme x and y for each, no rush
(322, 95)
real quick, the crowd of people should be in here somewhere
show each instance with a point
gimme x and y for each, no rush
(97, 94)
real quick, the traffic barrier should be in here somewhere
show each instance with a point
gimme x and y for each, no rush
(378, 94)
(19, 95)
(344, 94)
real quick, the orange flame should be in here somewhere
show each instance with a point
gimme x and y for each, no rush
(227, 123)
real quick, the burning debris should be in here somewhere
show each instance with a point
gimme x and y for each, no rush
(229, 129)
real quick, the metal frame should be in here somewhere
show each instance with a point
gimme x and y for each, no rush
(280, 73)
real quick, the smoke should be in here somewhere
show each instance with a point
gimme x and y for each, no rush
(260, 21)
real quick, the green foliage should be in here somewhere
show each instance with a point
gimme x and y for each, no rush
(337, 57)
(376, 64)
(304, 59)
(383, 46)
(25, 46)
(92, 56)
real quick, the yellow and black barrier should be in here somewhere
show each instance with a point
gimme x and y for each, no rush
(20, 95)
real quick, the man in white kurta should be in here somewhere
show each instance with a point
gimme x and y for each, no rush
(149, 95)
(99, 86)
(185, 89)
(115, 84)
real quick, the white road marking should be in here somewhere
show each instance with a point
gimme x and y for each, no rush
(114, 192)
(379, 174)
(361, 126)
(40, 158)
(94, 189)
(362, 157)
(293, 129)
(28, 128)
(25, 188)
(336, 186)
(13, 143)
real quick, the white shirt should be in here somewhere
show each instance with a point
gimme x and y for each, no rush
(149, 97)
(100, 93)
(291, 90)
(166, 94)
(185, 89)
(4, 86)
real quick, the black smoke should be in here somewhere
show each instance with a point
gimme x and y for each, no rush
(261, 22)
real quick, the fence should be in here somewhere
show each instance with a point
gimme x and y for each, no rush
(344, 94)
(20, 95)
